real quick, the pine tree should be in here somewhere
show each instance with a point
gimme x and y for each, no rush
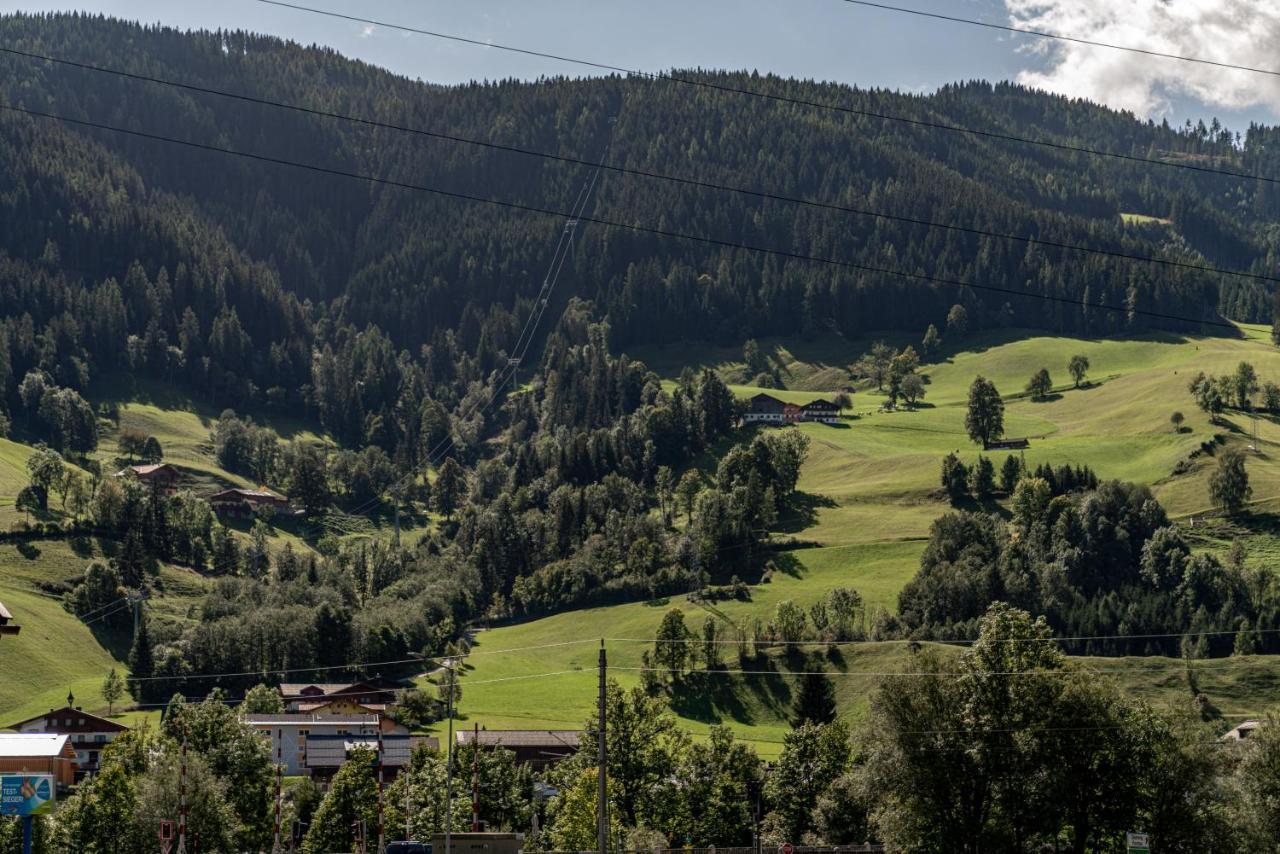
(816, 701)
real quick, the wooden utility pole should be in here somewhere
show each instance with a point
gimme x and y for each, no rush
(276, 846)
(602, 774)
(182, 795)
(448, 775)
(382, 836)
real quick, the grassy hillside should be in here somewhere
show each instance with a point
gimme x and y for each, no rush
(873, 485)
(56, 653)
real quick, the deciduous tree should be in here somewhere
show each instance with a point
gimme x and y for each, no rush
(1229, 484)
(1078, 367)
(984, 419)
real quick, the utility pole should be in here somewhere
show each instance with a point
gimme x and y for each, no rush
(602, 774)
(396, 543)
(275, 845)
(408, 802)
(382, 837)
(448, 776)
(182, 795)
(475, 779)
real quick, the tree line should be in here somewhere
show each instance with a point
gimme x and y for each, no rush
(1004, 746)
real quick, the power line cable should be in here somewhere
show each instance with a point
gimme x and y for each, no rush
(556, 265)
(803, 102)
(641, 173)
(873, 674)
(103, 607)
(660, 232)
(956, 641)
(110, 613)
(1008, 28)
(361, 665)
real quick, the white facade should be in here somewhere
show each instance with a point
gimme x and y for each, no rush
(288, 734)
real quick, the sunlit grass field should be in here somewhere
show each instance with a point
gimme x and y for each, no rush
(873, 481)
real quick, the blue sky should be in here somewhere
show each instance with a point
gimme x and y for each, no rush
(822, 39)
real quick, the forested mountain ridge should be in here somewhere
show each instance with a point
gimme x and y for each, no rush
(387, 314)
(417, 265)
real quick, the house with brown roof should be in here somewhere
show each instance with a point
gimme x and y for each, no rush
(370, 695)
(245, 503)
(536, 748)
(29, 753)
(763, 408)
(89, 734)
(820, 410)
(161, 475)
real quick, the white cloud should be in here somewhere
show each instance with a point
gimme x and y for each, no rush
(367, 30)
(1240, 32)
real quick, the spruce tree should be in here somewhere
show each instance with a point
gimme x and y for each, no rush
(141, 662)
(816, 701)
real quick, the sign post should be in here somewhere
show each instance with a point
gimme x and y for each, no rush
(27, 796)
(1138, 843)
(165, 835)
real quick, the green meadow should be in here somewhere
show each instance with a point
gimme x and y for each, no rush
(872, 489)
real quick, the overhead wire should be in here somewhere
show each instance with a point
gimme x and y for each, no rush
(773, 96)
(951, 641)
(1227, 664)
(361, 665)
(635, 172)
(1044, 34)
(661, 232)
(555, 266)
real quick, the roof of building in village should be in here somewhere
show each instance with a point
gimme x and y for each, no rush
(522, 737)
(147, 469)
(22, 745)
(301, 719)
(71, 719)
(257, 494)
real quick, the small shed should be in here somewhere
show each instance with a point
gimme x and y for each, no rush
(1007, 445)
(7, 625)
(30, 753)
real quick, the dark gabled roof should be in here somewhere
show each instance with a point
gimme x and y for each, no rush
(93, 723)
(248, 495)
(820, 403)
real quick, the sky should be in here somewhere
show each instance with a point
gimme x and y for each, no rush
(817, 39)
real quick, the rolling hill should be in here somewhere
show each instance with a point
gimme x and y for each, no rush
(874, 479)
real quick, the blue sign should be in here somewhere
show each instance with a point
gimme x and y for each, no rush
(26, 794)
